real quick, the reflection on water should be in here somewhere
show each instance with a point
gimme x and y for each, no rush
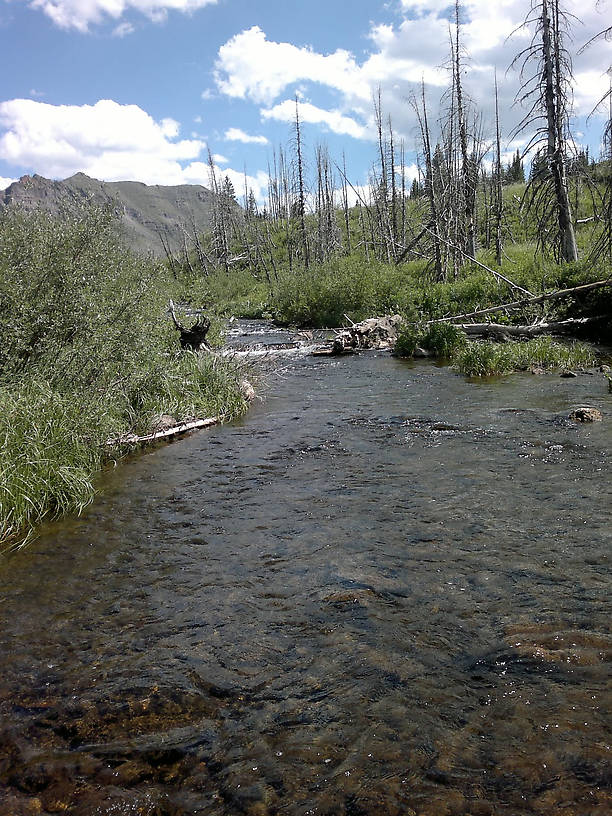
(382, 592)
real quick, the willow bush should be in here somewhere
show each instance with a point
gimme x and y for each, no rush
(87, 353)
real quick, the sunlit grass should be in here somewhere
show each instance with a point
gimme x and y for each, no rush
(480, 358)
(87, 354)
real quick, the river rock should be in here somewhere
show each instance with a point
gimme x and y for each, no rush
(247, 390)
(567, 374)
(163, 422)
(586, 414)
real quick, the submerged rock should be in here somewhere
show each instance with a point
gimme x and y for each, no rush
(586, 414)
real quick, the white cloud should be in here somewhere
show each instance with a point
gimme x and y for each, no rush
(237, 135)
(123, 29)
(82, 14)
(110, 142)
(249, 66)
(334, 120)
(106, 140)
(6, 182)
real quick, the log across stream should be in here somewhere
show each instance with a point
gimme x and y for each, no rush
(383, 591)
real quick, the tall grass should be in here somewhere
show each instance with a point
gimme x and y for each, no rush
(480, 359)
(87, 353)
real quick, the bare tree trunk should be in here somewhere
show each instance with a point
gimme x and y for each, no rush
(499, 201)
(467, 174)
(301, 193)
(554, 121)
(429, 185)
(393, 189)
(347, 222)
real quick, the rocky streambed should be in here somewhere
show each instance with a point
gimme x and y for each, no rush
(383, 591)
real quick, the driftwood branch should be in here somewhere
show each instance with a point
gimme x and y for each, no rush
(247, 390)
(502, 330)
(519, 304)
(182, 427)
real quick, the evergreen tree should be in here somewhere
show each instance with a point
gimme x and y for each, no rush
(515, 172)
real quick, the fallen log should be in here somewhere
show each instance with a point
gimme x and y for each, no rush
(182, 427)
(247, 390)
(473, 260)
(502, 330)
(519, 304)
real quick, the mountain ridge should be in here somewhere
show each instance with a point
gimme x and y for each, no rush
(146, 211)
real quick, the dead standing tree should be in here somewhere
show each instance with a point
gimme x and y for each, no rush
(432, 225)
(301, 203)
(469, 166)
(603, 245)
(547, 92)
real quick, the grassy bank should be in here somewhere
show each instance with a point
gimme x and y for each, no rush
(86, 354)
(480, 359)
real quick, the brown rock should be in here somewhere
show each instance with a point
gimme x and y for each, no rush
(586, 414)
(163, 422)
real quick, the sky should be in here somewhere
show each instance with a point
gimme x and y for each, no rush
(142, 89)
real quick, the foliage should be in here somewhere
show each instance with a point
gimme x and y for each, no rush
(408, 338)
(86, 353)
(443, 339)
(480, 359)
(323, 295)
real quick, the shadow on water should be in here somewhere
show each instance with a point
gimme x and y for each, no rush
(382, 592)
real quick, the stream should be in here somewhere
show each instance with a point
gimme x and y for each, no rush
(384, 591)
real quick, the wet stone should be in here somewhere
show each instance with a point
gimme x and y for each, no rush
(131, 773)
(586, 414)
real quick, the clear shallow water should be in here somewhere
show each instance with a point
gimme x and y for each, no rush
(384, 591)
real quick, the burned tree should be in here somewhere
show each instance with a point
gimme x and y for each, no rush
(547, 92)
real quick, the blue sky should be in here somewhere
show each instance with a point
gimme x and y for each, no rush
(139, 89)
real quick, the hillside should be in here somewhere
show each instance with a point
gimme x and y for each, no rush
(145, 210)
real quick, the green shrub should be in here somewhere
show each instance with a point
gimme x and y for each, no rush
(87, 353)
(408, 338)
(443, 339)
(479, 358)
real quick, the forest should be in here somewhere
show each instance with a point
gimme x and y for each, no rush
(468, 231)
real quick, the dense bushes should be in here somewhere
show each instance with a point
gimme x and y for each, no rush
(86, 354)
(322, 295)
